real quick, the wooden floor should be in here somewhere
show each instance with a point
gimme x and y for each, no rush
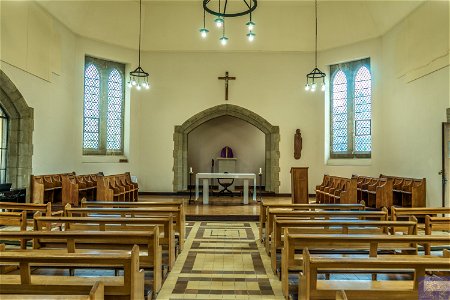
(218, 206)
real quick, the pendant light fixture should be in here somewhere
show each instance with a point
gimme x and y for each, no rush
(220, 12)
(311, 84)
(138, 77)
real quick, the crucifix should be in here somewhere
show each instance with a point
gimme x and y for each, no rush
(226, 78)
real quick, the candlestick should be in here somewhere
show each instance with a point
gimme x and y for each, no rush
(190, 170)
(260, 170)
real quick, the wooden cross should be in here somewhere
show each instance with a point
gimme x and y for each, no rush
(226, 78)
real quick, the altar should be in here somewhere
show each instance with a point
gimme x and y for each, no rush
(207, 176)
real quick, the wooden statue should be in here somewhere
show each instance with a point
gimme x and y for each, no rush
(297, 144)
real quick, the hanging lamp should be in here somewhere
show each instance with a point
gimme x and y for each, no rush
(138, 77)
(316, 74)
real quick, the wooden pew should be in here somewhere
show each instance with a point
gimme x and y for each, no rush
(76, 187)
(18, 219)
(312, 288)
(30, 208)
(272, 212)
(46, 188)
(38, 292)
(397, 213)
(337, 190)
(265, 205)
(336, 243)
(180, 222)
(320, 188)
(376, 192)
(436, 224)
(115, 224)
(129, 286)
(408, 192)
(117, 187)
(61, 242)
(333, 227)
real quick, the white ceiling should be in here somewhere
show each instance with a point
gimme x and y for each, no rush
(280, 25)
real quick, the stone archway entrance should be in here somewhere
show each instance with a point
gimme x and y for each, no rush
(272, 143)
(20, 133)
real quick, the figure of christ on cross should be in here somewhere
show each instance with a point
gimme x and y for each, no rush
(226, 78)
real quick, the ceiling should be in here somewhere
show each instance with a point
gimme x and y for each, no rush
(280, 25)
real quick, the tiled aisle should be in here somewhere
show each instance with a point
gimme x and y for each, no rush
(222, 260)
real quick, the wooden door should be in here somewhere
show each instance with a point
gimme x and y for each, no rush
(445, 172)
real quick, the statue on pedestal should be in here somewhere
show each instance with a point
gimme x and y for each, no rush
(297, 144)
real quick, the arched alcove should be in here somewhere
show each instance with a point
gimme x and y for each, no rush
(20, 133)
(272, 141)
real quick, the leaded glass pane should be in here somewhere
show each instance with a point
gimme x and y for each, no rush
(363, 110)
(91, 126)
(114, 112)
(339, 116)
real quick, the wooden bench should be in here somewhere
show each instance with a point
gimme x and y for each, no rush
(77, 187)
(408, 192)
(265, 205)
(117, 187)
(311, 287)
(337, 190)
(178, 216)
(129, 286)
(38, 292)
(341, 295)
(397, 213)
(60, 242)
(333, 227)
(272, 212)
(436, 224)
(167, 240)
(339, 243)
(17, 219)
(375, 192)
(46, 188)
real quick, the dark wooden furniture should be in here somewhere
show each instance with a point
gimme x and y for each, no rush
(299, 185)
(408, 192)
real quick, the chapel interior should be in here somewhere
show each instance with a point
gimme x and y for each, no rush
(225, 149)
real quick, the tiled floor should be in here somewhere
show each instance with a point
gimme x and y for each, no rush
(222, 260)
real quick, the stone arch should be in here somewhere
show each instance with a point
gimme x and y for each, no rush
(20, 133)
(272, 143)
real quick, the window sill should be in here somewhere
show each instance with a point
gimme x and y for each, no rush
(349, 162)
(104, 159)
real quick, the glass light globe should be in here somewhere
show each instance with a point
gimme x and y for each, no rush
(251, 36)
(313, 87)
(323, 87)
(138, 87)
(219, 22)
(250, 25)
(129, 84)
(147, 86)
(204, 32)
(224, 40)
(307, 87)
(133, 82)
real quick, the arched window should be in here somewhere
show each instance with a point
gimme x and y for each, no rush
(91, 126)
(114, 115)
(363, 110)
(340, 111)
(3, 145)
(104, 97)
(351, 110)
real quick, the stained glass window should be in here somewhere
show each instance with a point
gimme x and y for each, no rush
(103, 107)
(351, 109)
(3, 145)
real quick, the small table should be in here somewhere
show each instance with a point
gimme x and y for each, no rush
(207, 176)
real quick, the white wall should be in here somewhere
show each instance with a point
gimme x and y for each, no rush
(409, 102)
(206, 141)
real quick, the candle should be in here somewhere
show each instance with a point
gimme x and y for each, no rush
(190, 170)
(260, 170)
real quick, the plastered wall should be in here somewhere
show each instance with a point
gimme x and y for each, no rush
(408, 105)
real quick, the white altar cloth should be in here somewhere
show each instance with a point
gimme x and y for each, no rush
(207, 176)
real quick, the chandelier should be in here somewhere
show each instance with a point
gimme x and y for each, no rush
(311, 84)
(218, 8)
(138, 77)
